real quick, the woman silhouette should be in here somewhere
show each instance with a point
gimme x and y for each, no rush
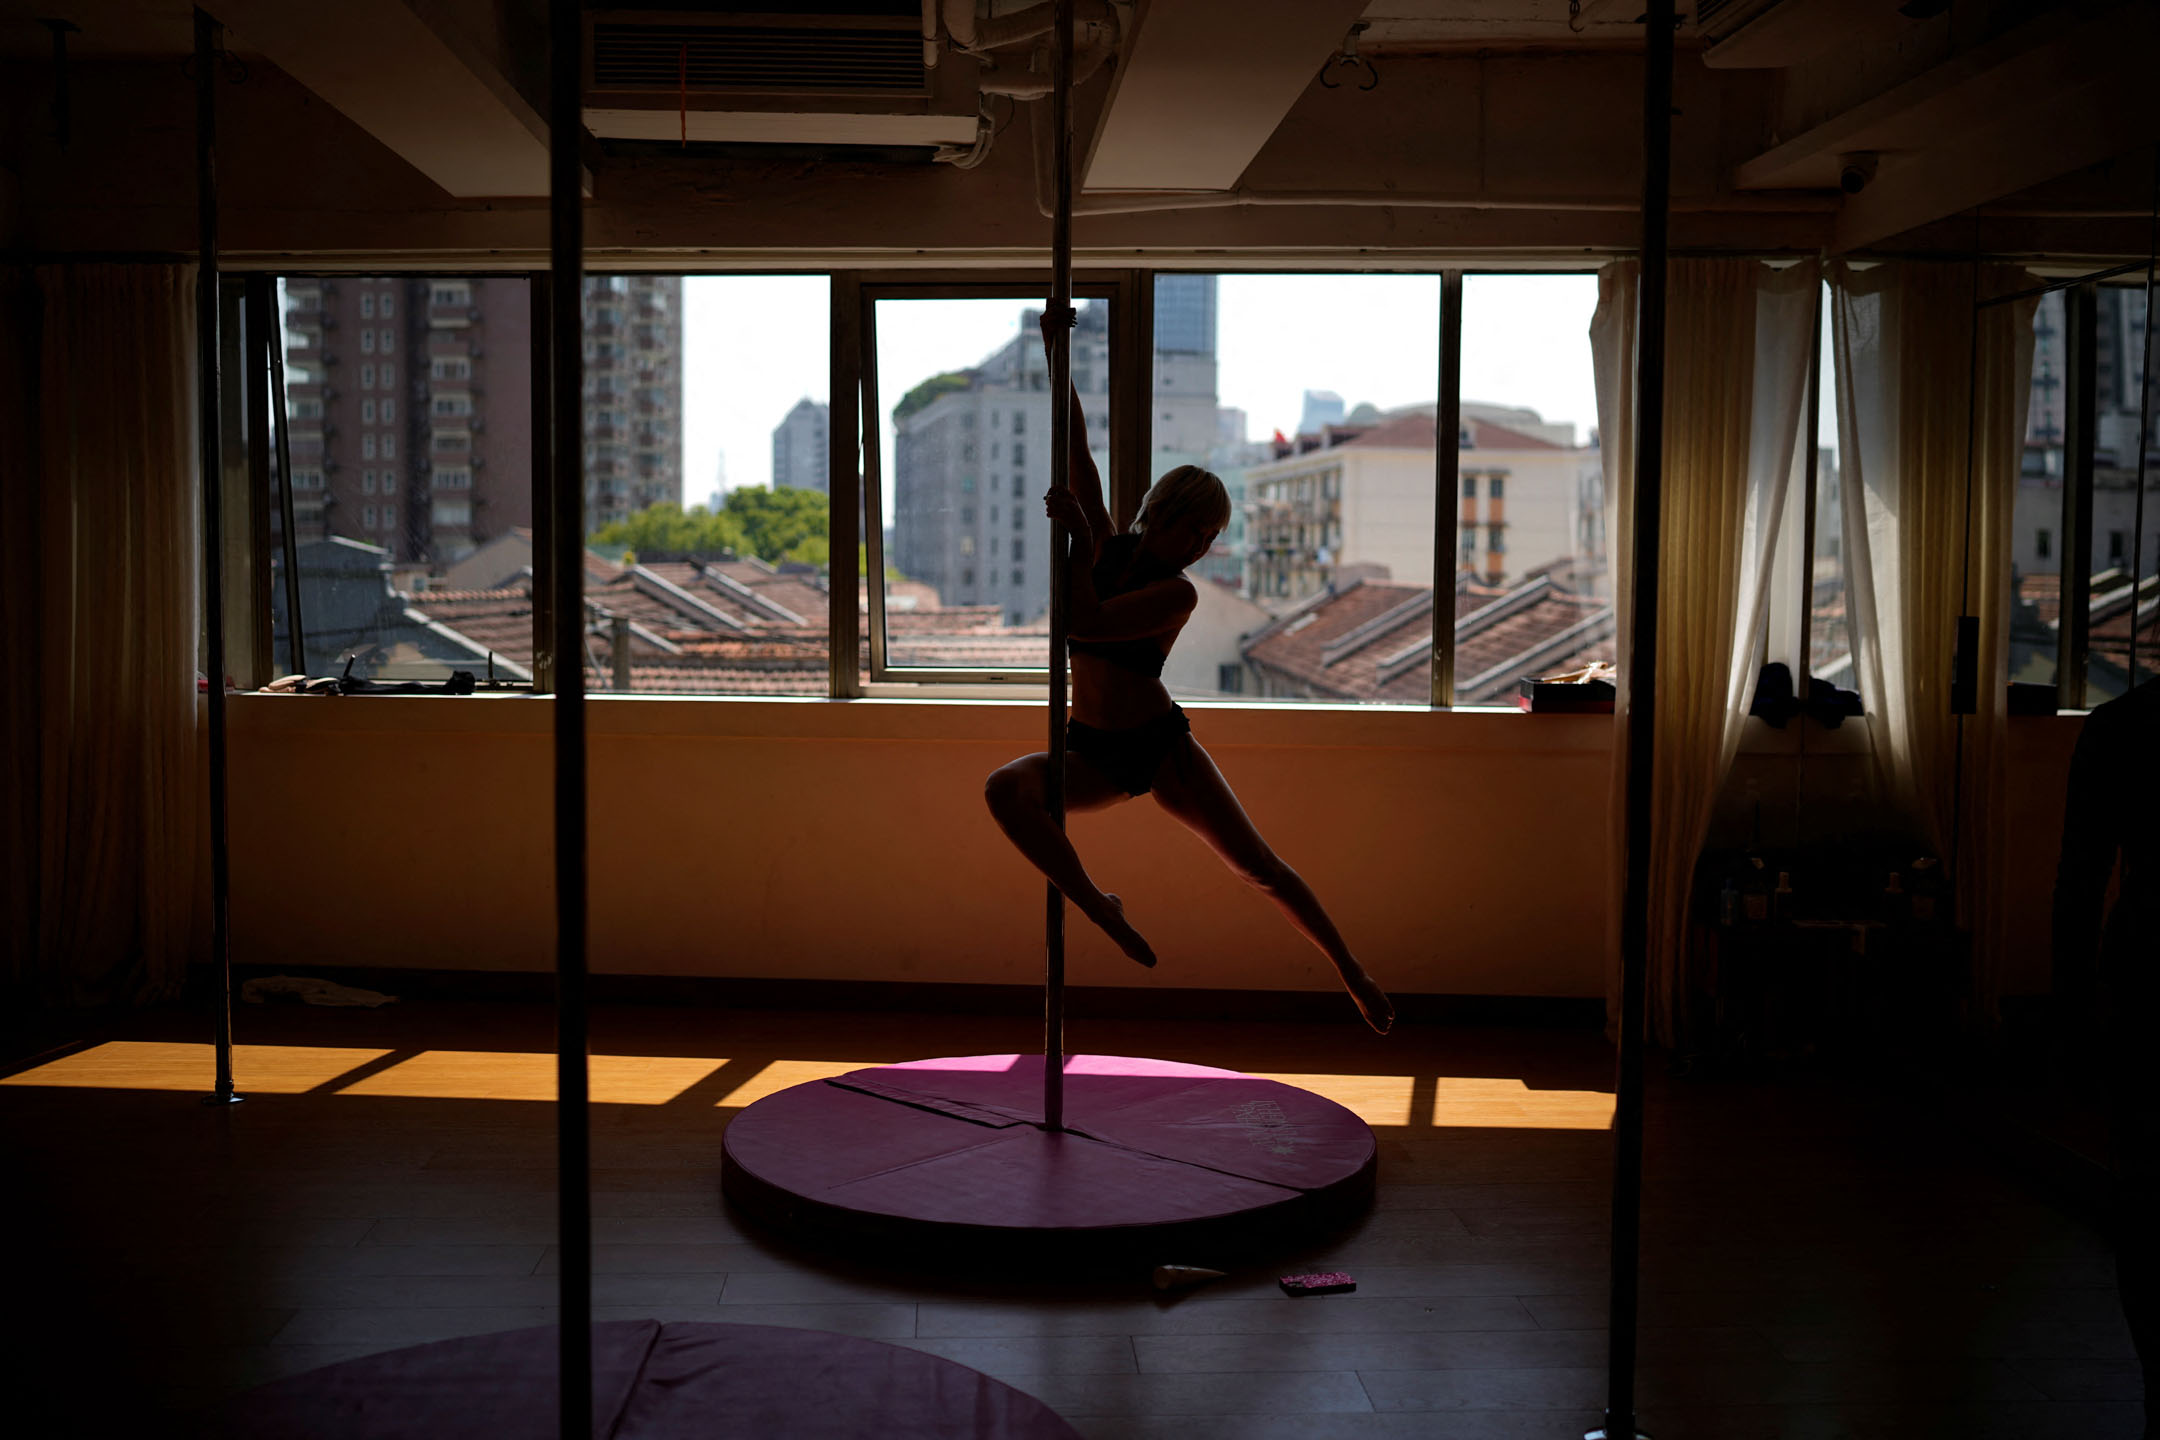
(1126, 600)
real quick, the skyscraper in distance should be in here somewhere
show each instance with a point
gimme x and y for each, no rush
(801, 453)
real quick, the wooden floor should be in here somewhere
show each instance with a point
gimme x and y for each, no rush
(1822, 1259)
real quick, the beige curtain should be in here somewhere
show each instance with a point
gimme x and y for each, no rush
(1908, 398)
(1737, 349)
(109, 646)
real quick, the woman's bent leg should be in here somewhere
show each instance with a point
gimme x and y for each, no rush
(1193, 790)
(1018, 799)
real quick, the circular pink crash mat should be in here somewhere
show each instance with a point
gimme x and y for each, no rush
(957, 1144)
(650, 1382)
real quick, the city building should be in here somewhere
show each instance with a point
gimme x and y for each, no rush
(801, 449)
(1322, 409)
(409, 406)
(971, 460)
(1357, 502)
(633, 395)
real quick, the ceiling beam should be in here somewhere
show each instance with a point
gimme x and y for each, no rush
(423, 88)
(1203, 84)
(2054, 96)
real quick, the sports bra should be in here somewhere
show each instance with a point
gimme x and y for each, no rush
(1143, 654)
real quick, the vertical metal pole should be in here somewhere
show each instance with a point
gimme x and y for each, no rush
(566, 460)
(210, 467)
(1060, 361)
(274, 342)
(1641, 722)
(1447, 486)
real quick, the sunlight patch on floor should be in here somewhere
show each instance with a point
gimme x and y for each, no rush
(1457, 1102)
(172, 1065)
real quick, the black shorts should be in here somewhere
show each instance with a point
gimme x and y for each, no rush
(1129, 758)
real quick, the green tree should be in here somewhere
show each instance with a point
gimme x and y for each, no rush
(776, 522)
(929, 390)
(666, 529)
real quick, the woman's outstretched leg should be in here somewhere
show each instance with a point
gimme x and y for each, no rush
(1193, 790)
(1018, 799)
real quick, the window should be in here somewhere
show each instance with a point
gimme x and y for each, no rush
(452, 404)
(452, 477)
(1469, 487)
(952, 375)
(451, 367)
(367, 306)
(1324, 576)
(447, 441)
(1535, 597)
(2044, 543)
(346, 591)
(450, 294)
(2118, 547)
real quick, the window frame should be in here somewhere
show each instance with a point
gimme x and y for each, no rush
(885, 678)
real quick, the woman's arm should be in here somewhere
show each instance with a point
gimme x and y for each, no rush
(1156, 609)
(1085, 480)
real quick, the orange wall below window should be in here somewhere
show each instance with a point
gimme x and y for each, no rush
(1459, 852)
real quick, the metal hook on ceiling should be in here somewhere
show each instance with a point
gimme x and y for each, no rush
(1348, 56)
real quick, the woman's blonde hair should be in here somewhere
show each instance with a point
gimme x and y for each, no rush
(1187, 490)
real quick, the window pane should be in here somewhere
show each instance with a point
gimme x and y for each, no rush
(2119, 367)
(375, 552)
(711, 545)
(1829, 625)
(964, 404)
(1321, 589)
(1533, 581)
(2036, 524)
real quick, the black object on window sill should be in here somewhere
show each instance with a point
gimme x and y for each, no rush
(1574, 697)
(1776, 703)
(2027, 698)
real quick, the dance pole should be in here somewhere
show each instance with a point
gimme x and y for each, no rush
(566, 480)
(1641, 716)
(1060, 333)
(210, 462)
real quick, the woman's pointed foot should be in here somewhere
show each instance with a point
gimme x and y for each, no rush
(1372, 1001)
(1110, 917)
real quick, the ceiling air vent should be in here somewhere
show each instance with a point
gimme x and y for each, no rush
(788, 58)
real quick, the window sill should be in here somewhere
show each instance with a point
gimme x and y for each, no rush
(1013, 721)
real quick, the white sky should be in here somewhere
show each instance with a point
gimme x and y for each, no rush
(753, 346)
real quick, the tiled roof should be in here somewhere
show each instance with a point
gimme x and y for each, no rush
(1416, 432)
(1373, 642)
